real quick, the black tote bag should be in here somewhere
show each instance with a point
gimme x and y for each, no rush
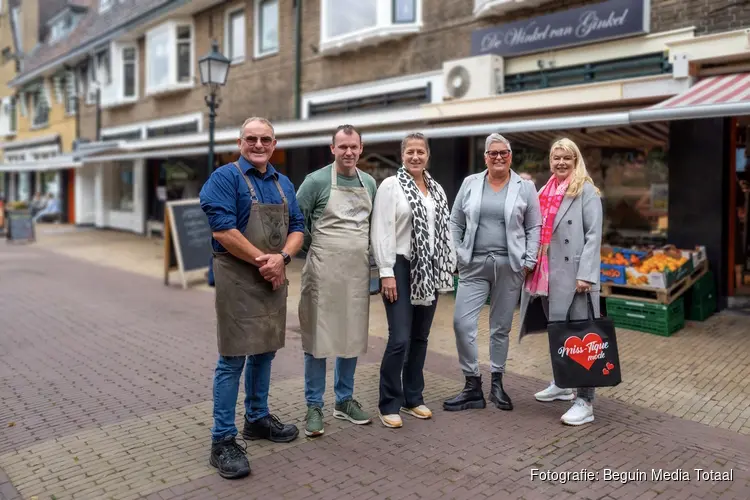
(584, 352)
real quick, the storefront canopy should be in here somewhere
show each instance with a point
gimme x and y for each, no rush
(55, 163)
(712, 97)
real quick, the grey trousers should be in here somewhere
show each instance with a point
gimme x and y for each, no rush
(486, 275)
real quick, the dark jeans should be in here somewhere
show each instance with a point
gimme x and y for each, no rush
(403, 359)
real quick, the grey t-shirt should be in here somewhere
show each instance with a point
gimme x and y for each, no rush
(491, 237)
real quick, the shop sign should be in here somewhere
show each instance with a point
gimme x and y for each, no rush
(589, 24)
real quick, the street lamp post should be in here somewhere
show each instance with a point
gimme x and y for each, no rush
(214, 68)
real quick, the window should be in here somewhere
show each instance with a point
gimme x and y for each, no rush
(123, 186)
(40, 108)
(404, 11)
(372, 21)
(70, 93)
(267, 27)
(128, 72)
(184, 53)
(343, 21)
(12, 115)
(61, 27)
(102, 70)
(169, 57)
(158, 60)
(235, 35)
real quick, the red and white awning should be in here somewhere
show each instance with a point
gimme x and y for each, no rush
(714, 90)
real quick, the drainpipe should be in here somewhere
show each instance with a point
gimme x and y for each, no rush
(98, 114)
(298, 59)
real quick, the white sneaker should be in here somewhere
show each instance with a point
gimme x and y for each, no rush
(582, 412)
(392, 421)
(553, 392)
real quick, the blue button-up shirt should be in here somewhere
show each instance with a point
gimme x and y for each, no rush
(225, 197)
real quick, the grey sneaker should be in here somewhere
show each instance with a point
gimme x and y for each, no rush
(352, 411)
(314, 422)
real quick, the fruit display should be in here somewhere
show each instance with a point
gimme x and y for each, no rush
(637, 279)
(662, 262)
(619, 259)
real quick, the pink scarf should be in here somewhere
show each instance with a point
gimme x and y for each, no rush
(550, 199)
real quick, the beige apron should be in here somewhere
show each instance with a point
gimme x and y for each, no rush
(250, 315)
(334, 308)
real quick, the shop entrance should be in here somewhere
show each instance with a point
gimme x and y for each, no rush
(740, 215)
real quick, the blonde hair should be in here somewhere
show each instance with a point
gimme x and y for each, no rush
(580, 175)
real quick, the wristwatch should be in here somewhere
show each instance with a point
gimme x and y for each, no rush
(287, 258)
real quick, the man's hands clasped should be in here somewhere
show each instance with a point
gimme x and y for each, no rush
(272, 269)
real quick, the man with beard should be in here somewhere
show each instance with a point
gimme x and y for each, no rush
(257, 226)
(334, 307)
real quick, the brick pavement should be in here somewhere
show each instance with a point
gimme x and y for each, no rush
(688, 375)
(96, 361)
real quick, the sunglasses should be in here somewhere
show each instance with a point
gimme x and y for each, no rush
(494, 154)
(253, 140)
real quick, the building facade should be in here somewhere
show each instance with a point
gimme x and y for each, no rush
(640, 85)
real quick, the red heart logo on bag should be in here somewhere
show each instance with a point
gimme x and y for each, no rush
(584, 351)
(605, 371)
(610, 365)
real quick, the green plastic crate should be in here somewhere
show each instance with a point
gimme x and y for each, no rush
(704, 287)
(703, 309)
(700, 303)
(647, 317)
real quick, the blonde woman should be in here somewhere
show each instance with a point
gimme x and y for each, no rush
(568, 264)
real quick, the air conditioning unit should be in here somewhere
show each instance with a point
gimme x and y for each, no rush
(473, 77)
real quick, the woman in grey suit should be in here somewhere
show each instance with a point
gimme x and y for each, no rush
(569, 260)
(495, 223)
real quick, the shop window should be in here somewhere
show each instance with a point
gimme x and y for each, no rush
(633, 183)
(267, 27)
(372, 19)
(123, 186)
(235, 35)
(635, 189)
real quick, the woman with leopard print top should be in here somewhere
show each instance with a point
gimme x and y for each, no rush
(411, 242)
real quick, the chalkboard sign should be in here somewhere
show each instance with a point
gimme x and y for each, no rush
(20, 226)
(187, 238)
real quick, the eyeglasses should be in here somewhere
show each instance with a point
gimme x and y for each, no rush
(494, 154)
(252, 140)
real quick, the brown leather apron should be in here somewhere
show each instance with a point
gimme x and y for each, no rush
(250, 315)
(334, 307)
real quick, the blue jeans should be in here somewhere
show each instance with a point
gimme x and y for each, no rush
(315, 379)
(227, 386)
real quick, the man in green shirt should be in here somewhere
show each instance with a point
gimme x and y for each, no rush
(336, 202)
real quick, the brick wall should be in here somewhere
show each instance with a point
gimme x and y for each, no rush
(266, 86)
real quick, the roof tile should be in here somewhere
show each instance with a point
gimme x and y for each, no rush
(93, 25)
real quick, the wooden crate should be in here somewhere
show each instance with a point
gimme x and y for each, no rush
(655, 295)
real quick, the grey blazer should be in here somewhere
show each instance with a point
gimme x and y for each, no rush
(574, 254)
(523, 220)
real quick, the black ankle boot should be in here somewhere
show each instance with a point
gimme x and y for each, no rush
(498, 396)
(471, 397)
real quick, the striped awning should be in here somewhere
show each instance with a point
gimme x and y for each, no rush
(712, 91)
